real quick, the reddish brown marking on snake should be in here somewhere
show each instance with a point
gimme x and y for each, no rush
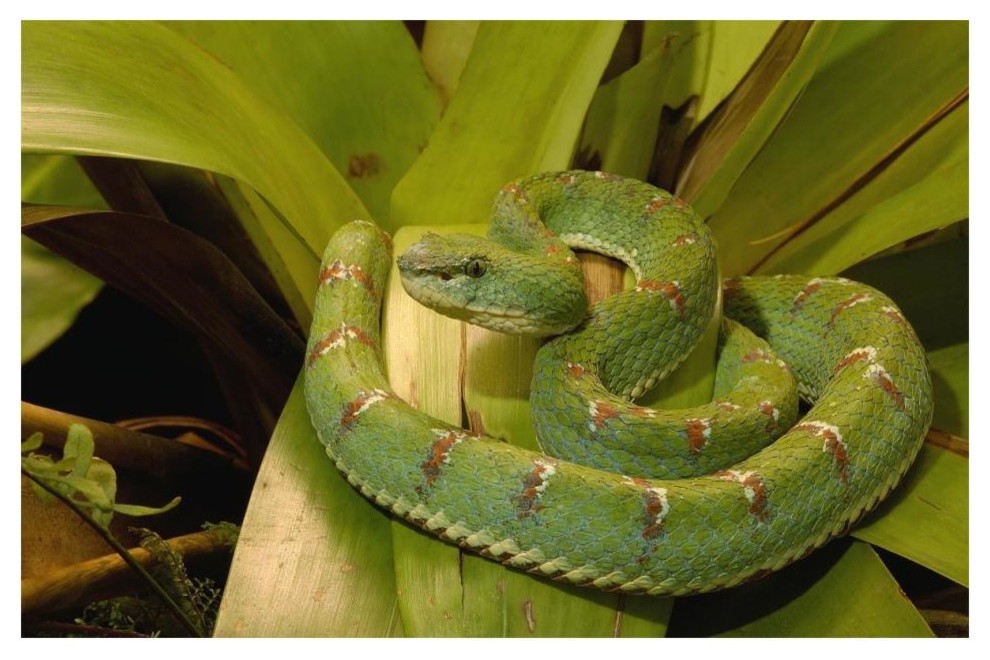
(754, 489)
(696, 429)
(656, 204)
(861, 355)
(527, 502)
(671, 291)
(339, 271)
(437, 454)
(767, 408)
(880, 376)
(602, 412)
(846, 304)
(833, 445)
(576, 370)
(654, 508)
(812, 287)
(685, 239)
(353, 408)
(337, 338)
(757, 355)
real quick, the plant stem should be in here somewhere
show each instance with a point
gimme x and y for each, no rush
(128, 558)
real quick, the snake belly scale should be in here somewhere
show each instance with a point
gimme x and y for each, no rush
(746, 490)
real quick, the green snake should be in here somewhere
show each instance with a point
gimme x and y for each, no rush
(740, 489)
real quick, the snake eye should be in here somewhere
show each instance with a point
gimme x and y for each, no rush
(475, 267)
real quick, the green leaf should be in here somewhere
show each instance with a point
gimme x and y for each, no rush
(79, 447)
(446, 46)
(893, 85)
(33, 443)
(926, 519)
(140, 90)
(751, 113)
(502, 124)
(53, 291)
(138, 510)
(330, 77)
(950, 383)
(921, 189)
(843, 590)
(334, 577)
(930, 285)
(623, 121)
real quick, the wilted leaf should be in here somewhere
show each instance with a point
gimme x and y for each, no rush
(181, 276)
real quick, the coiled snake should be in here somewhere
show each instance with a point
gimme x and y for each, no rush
(741, 490)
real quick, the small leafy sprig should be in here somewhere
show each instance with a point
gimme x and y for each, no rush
(81, 477)
(88, 485)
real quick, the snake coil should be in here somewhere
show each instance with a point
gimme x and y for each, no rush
(742, 488)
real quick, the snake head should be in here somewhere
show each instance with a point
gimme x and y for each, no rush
(475, 280)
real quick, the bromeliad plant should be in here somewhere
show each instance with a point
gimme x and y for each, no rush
(811, 147)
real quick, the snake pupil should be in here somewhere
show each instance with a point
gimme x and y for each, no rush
(475, 268)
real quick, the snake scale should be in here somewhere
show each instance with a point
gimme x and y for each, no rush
(746, 489)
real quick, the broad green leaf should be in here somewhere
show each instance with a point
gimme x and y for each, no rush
(141, 90)
(621, 129)
(446, 46)
(930, 285)
(53, 291)
(330, 77)
(734, 47)
(138, 510)
(333, 575)
(518, 110)
(924, 188)
(892, 87)
(950, 382)
(751, 113)
(842, 590)
(926, 519)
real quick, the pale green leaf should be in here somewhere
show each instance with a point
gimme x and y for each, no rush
(446, 46)
(330, 77)
(333, 576)
(623, 121)
(79, 447)
(33, 443)
(926, 519)
(138, 510)
(518, 110)
(735, 46)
